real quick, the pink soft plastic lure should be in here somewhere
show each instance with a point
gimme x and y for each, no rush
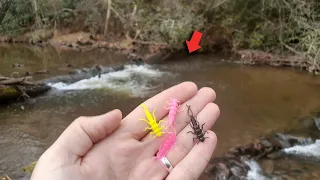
(173, 110)
(166, 145)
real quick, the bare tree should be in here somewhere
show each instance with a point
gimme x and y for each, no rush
(107, 17)
(38, 22)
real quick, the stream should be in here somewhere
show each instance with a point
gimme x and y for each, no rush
(253, 100)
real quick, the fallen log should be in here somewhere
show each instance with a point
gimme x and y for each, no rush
(12, 89)
(5, 177)
(15, 88)
(14, 81)
(10, 93)
(3, 78)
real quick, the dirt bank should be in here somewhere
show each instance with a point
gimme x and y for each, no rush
(255, 57)
(82, 41)
(157, 52)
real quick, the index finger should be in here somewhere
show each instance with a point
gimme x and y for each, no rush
(183, 92)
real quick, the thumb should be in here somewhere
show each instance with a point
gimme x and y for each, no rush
(82, 133)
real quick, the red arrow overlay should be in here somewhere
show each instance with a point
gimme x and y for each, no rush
(193, 44)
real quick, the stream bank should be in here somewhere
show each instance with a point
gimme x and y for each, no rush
(159, 52)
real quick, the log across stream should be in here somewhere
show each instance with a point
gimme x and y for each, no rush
(13, 89)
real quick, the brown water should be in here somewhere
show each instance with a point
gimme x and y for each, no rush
(56, 61)
(253, 100)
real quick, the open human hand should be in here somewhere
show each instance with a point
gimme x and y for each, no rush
(109, 147)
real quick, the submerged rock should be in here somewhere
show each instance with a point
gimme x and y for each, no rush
(234, 163)
(308, 126)
(289, 140)
(227, 168)
(15, 65)
(317, 122)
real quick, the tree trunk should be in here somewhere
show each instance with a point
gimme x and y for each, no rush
(107, 18)
(130, 24)
(38, 22)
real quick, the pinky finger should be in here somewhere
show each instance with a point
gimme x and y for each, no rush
(192, 166)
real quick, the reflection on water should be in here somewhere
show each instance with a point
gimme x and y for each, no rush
(56, 61)
(253, 101)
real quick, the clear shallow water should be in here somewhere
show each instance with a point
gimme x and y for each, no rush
(253, 100)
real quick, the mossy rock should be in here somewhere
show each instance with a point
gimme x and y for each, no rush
(8, 92)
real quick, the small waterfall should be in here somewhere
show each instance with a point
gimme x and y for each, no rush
(255, 172)
(310, 150)
(132, 79)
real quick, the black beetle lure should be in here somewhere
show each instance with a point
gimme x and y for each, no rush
(197, 130)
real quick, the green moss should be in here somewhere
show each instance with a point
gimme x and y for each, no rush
(8, 91)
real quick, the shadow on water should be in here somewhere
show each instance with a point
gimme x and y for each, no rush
(253, 100)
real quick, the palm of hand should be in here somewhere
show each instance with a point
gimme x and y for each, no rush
(125, 159)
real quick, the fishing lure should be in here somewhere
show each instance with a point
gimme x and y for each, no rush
(166, 145)
(197, 130)
(173, 109)
(151, 120)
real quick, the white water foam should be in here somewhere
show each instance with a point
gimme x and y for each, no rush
(311, 150)
(132, 79)
(255, 172)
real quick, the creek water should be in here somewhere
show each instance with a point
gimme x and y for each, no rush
(253, 100)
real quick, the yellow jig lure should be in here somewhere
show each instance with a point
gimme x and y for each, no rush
(151, 120)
